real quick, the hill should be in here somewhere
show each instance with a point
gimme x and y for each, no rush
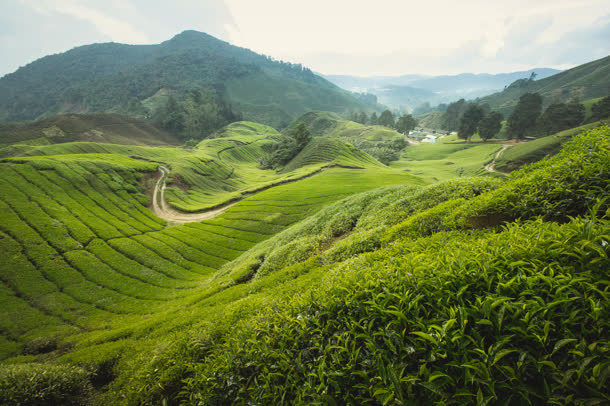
(123, 78)
(533, 151)
(380, 142)
(583, 82)
(107, 128)
(348, 287)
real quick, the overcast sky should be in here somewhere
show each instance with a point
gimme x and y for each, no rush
(381, 37)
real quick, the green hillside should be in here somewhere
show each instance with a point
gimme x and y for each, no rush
(533, 151)
(122, 78)
(583, 82)
(382, 143)
(106, 128)
(336, 280)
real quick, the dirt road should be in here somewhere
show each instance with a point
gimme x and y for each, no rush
(491, 166)
(164, 211)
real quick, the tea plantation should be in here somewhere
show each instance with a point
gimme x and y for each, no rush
(337, 280)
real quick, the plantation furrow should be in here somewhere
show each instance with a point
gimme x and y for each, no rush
(191, 253)
(194, 242)
(240, 230)
(21, 319)
(210, 242)
(100, 273)
(101, 204)
(77, 229)
(31, 214)
(242, 235)
(31, 302)
(45, 259)
(130, 268)
(101, 183)
(86, 217)
(138, 253)
(96, 220)
(229, 240)
(102, 188)
(166, 252)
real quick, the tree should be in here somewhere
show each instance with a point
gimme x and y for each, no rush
(455, 111)
(601, 109)
(373, 119)
(362, 118)
(289, 145)
(560, 116)
(523, 118)
(386, 118)
(301, 136)
(405, 124)
(490, 125)
(470, 121)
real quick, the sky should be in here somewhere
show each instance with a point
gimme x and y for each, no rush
(351, 37)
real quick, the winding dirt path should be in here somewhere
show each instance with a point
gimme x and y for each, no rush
(491, 166)
(164, 211)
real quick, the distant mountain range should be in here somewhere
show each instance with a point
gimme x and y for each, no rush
(410, 91)
(113, 77)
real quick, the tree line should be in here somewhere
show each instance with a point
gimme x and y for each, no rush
(403, 124)
(527, 119)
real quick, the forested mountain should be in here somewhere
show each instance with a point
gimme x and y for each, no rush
(583, 82)
(115, 77)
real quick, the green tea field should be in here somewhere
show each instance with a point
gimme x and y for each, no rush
(320, 262)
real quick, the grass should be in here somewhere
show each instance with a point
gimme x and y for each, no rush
(532, 151)
(437, 162)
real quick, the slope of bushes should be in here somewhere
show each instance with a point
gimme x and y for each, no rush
(449, 306)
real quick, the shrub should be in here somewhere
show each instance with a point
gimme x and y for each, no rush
(43, 384)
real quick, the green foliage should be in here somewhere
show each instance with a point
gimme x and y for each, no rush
(533, 151)
(490, 125)
(127, 78)
(470, 121)
(386, 118)
(43, 384)
(196, 117)
(432, 320)
(287, 148)
(560, 116)
(601, 109)
(524, 117)
(453, 115)
(582, 82)
(406, 123)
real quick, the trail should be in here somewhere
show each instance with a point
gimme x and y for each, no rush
(164, 211)
(490, 167)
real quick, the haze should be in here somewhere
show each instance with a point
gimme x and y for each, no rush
(385, 37)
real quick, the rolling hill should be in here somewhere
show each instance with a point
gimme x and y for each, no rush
(123, 78)
(583, 82)
(349, 286)
(106, 128)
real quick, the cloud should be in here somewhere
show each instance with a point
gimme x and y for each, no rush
(339, 36)
(108, 25)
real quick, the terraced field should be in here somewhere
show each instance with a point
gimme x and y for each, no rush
(86, 257)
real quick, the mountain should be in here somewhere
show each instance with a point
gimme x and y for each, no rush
(407, 92)
(113, 77)
(583, 82)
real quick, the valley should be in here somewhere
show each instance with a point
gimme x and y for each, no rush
(216, 228)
